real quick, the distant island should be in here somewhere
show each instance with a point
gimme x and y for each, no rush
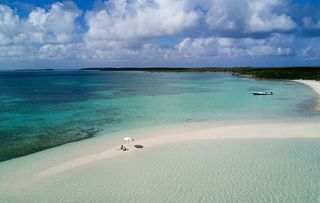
(290, 73)
(35, 69)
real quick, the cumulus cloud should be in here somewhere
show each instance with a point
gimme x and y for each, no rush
(203, 48)
(56, 25)
(53, 26)
(40, 27)
(134, 20)
(9, 25)
(125, 31)
(248, 17)
(14, 51)
(308, 23)
(127, 26)
(276, 44)
(60, 51)
(266, 16)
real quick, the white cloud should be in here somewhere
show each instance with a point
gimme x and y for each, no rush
(9, 25)
(124, 31)
(197, 47)
(265, 18)
(308, 23)
(21, 37)
(225, 15)
(248, 16)
(276, 44)
(60, 51)
(14, 51)
(56, 25)
(309, 49)
(129, 21)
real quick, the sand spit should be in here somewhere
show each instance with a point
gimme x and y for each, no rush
(234, 131)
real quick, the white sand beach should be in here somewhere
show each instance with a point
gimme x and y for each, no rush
(231, 131)
(315, 85)
(87, 156)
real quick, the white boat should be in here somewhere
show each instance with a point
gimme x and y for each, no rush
(262, 93)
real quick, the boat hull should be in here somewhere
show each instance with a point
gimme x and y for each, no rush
(262, 93)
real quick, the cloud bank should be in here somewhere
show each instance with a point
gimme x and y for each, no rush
(162, 33)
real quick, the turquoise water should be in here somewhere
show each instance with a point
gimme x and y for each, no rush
(43, 109)
(246, 170)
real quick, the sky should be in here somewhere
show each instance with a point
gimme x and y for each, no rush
(158, 33)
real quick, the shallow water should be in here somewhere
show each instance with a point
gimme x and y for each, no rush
(43, 109)
(244, 170)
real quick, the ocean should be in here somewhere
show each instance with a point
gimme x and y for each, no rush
(44, 109)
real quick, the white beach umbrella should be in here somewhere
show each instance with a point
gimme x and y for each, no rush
(128, 139)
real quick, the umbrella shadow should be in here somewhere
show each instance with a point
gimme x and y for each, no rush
(138, 146)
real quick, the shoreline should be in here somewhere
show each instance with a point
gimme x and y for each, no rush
(231, 131)
(315, 85)
(64, 160)
(104, 147)
(256, 130)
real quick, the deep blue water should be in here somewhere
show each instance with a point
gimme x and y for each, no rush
(43, 109)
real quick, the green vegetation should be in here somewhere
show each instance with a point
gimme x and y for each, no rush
(307, 73)
(165, 69)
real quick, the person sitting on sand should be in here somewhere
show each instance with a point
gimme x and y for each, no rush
(123, 148)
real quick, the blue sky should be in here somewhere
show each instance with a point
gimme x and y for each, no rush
(124, 33)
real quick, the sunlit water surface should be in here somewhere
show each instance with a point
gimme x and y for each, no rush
(43, 109)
